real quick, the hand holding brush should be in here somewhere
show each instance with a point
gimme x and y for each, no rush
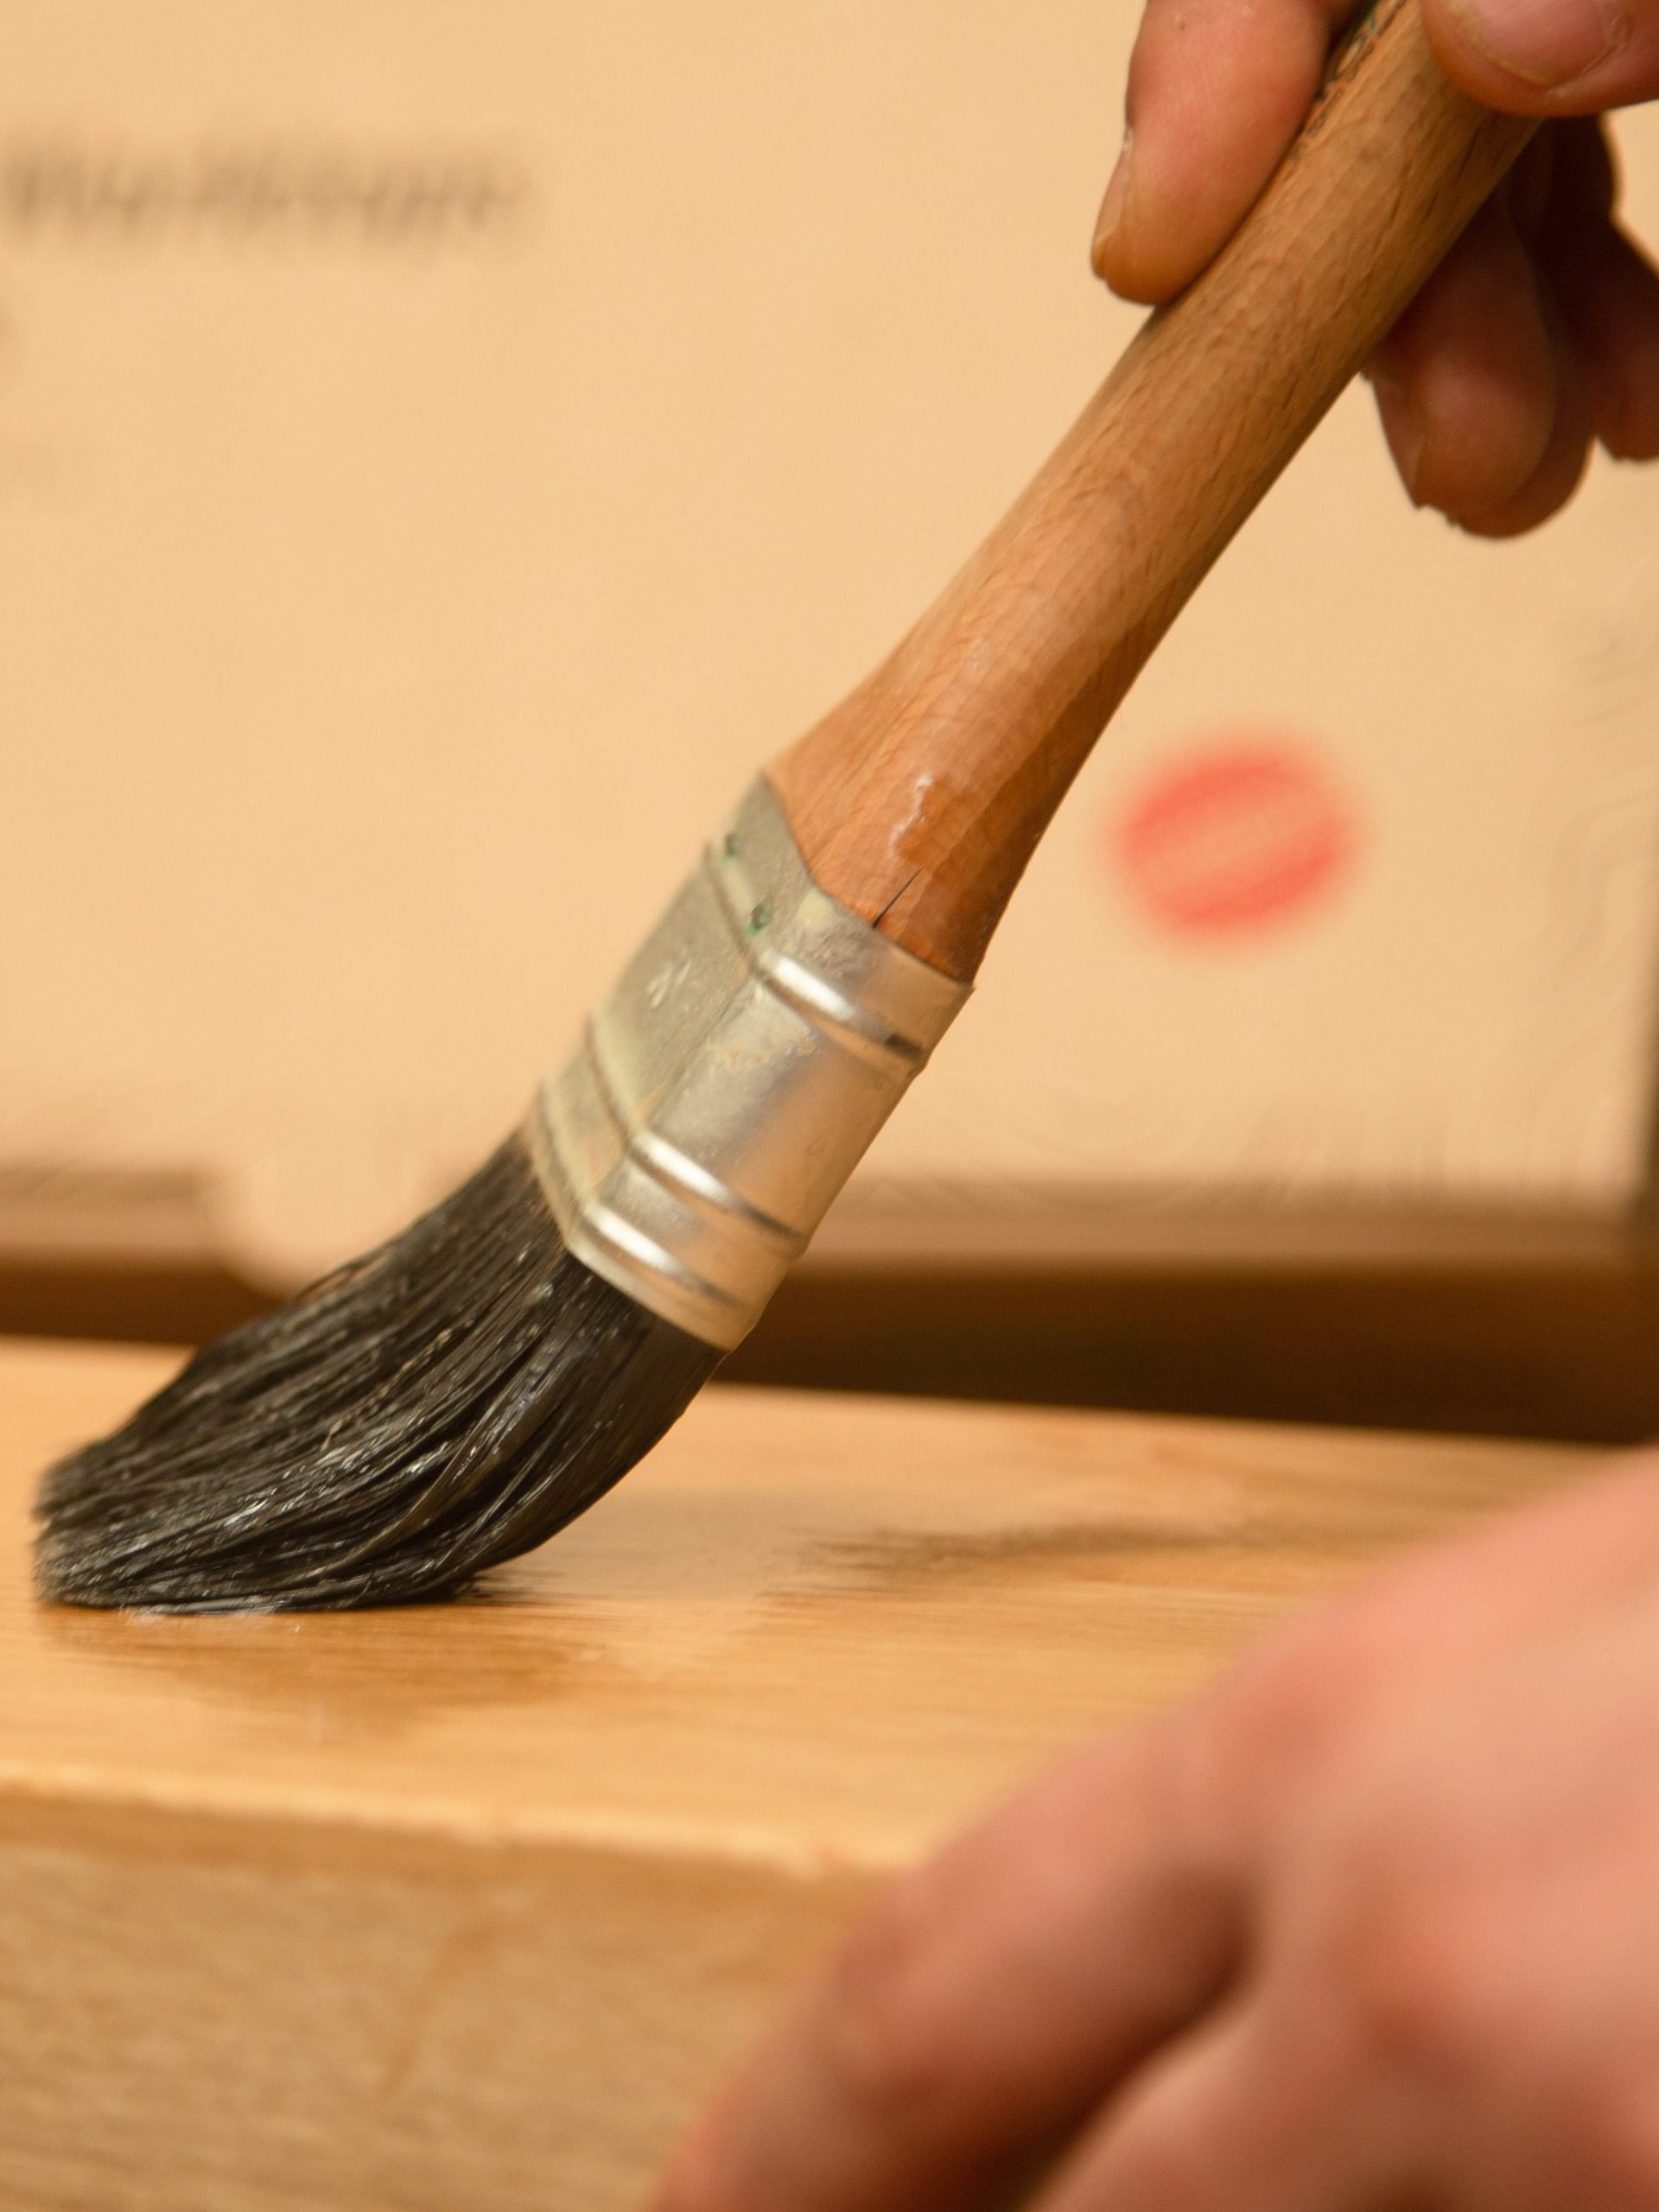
(457, 1397)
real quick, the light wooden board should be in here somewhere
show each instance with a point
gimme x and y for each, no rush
(469, 1906)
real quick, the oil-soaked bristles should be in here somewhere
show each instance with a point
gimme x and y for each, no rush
(429, 1410)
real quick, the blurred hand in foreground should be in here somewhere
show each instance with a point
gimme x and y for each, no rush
(1538, 335)
(1374, 1927)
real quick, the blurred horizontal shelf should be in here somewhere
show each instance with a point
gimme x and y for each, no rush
(1505, 1321)
(1049, 1228)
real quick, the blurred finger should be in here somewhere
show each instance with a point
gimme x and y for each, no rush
(1235, 2120)
(1466, 381)
(1556, 477)
(1611, 300)
(1216, 92)
(1338, 1675)
(1580, 181)
(983, 2011)
(1608, 291)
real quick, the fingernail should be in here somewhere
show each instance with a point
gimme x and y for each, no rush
(1547, 43)
(1111, 208)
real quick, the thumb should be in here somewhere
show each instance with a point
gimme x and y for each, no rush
(1549, 57)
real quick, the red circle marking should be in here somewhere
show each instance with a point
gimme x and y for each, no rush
(1240, 835)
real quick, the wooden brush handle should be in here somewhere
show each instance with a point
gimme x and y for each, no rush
(918, 800)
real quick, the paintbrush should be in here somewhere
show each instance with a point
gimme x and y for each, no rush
(461, 1393)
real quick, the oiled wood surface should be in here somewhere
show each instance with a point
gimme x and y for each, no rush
(806, 1624)
(473, 1905)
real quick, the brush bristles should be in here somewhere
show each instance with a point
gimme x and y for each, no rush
(429, 1410)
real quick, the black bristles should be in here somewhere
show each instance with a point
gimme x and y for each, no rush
(426, 1412)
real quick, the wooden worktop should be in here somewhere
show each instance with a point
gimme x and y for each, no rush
(469, 1905)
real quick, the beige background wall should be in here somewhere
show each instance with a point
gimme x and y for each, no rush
(443, 447)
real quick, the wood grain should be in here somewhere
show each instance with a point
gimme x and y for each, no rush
(470, 1906)
(917, 802)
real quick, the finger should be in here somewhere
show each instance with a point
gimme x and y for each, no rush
(1559, 472)
(1466, 381)
(1574, 163)
(1216, 92)
(981, 2011)
(1326, 1680)
(1239, 2119)
(1608, 291)
(1549, 57)
(1612, 301)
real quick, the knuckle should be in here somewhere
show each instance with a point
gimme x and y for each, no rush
(1615, 2124)
(1427, 2003)
(883, 2032)
(1412, 1962)
(698, 2178)
(682, 2189)
(1292, 1709)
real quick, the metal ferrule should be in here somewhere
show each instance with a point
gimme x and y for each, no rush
(732, 1081)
